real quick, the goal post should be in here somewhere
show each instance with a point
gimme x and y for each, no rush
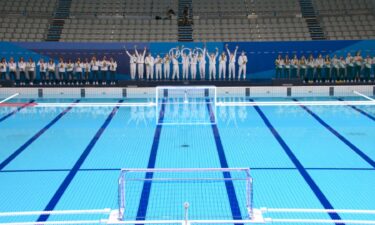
(204, 190)
(185, 105)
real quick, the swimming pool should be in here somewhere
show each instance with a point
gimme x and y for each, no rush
(65, 158)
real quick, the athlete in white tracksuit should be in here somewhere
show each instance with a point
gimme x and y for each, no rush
(133, 64)
(202, 64)
(232, 63)
(158, 62)
(140, 62)
(185, 66)
(222, 66)
(242, 61)
(212, 62)
(176, 69)
(167, 66)
(149, 61)
(193, 65)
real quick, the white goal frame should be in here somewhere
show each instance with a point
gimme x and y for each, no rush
(158, 97)
(248, 180)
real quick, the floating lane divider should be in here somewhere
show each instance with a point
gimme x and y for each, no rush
(338, 135)
(68, 179)
(21, 106)
(231, 192)
(10, 97)
(365, 96)
(98, 104)
(359, 110)
(35, 137)
(306, 176)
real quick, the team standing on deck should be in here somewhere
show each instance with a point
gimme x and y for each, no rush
(192, 63)
(326, 69)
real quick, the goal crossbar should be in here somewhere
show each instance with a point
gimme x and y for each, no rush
(246, 178)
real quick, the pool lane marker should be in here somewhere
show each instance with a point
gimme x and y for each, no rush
(359, 110)
(35, 137)
(231, 192)
(339, 136)
(146, 189)
(68, 179)
(306, 176)
(31, 102)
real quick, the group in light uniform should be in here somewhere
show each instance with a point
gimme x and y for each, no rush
(192, 64)
(212, 64)
(58, 73)
(232, 62)
(149, 61)
(326, 69)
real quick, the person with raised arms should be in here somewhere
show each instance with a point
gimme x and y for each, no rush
(193, 64)
(140, 62)
(212, 64)
(222, 66)
(232, 62)
(133, 64)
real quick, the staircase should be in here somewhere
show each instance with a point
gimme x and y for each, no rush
(185, 32)
(308, 12)
(57, 23)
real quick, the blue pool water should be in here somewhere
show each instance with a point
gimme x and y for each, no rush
(63, 158)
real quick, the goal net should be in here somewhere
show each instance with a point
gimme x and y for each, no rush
(185, 105)
(215, 194)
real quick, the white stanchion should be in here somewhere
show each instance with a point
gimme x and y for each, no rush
(8, 98)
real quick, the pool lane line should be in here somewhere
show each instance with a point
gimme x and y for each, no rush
(68, 179)
(16, 110)
(359, 110)
(306, 176)
(146, 189)
(338, 135)
(231, 192)
(35, 137)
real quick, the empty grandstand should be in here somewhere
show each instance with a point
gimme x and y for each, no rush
(212, 20)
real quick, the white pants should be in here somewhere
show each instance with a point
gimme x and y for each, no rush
(167, 69)
(132, 70)
(193, 70)
(202, 71)
(185, 71)
(222, 70)
(212, 71)
(176, 72)
(150, 72)
(242, 70)
(232, 71)
(140, 70)
(158, 72)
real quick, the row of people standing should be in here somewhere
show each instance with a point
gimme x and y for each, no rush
(192, 63)
(63, 72)
(326, 69)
